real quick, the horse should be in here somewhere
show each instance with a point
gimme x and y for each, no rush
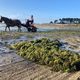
(11, 23)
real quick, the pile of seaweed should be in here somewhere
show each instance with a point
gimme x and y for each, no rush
(47, 52)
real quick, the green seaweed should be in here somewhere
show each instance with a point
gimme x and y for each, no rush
(47, 52)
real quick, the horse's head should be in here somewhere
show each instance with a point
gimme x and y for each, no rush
(4, 19)
(0, 18)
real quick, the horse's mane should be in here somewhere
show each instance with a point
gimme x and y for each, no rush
(4, 17)
(9, 19)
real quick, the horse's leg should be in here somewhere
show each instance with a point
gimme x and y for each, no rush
(9, 28)
(19, 28)
(26, 28)
(6, 28)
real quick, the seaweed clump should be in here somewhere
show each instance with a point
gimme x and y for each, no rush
(47, 52)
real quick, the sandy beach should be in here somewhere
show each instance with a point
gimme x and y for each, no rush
(14, 67)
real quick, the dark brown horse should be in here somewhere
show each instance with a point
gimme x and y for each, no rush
(11, 23)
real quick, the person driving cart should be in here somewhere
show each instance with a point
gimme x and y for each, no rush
(30, 22)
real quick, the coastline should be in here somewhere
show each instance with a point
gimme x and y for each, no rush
(57, 25)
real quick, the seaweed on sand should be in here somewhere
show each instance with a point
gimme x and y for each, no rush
(47, 52)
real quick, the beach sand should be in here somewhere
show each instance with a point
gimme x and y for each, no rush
(14, 67)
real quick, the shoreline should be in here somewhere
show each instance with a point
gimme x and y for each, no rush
(57, 25)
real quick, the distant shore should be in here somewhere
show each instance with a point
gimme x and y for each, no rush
(58, 25)
(50, 26)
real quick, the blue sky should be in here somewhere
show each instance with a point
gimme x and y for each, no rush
(43, 10)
